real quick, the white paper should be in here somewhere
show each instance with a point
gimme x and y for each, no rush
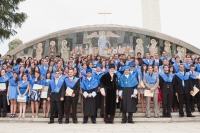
(37, 87)
(2, 86)
(117, 92)
(135, 91)
(94, 93)
(102, 90)
(196, 90)
(8, 102)
(85, 94)
(44, 94)
(117, 100)
(46, 88)
(147, 93)
(69, 91)
(120, 93)
(21, 98)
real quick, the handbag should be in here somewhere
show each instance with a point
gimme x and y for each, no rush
(21, 99)
(141, 84)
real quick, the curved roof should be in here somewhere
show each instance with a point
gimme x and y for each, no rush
(107, 27)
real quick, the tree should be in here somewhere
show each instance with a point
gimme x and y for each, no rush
(10, 18)
(14, 43)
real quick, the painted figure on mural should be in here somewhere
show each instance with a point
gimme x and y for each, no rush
(179, 53)
(65, 50)
(139, 47)
(39, 51)
(153, 48)
(168, 47)
(184, 50)
(102, 41)
(52, 49)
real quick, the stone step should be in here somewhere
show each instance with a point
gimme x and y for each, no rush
(100, 120)
(117, 115)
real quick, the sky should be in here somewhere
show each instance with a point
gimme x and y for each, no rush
(179, 18)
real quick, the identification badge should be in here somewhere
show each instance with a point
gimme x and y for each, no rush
(57, 89)
(89, 85)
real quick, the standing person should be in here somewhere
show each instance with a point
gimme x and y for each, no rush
(3, 91)
(183, 89)
(73, 83)
(55, 95)
(35, 94)
(151, 82)
(195, 82)
(128, 93)
(46, 104)
(89, 88)
(12, 94)
(166, 82)
(23, 89)
(109, 89)
(97, 74)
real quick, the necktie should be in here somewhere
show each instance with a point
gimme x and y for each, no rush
(70, 80)
(183, 83)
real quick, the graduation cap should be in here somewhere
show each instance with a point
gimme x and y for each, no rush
(98, 65)
(126, 67)
(89, 70)
(131, 64)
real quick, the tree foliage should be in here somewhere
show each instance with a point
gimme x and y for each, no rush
(10, 18)
(14, 43)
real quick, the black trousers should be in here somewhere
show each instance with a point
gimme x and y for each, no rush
(68, 103)
(195, 99)
(186, 98)
(3, 103)
(56, 105)
(167, 103)
(85, 118)
(130, 116)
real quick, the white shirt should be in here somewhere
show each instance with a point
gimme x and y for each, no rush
(71, 78)
(111, 74)
(89, 78)
(127, 75)
(56, 80)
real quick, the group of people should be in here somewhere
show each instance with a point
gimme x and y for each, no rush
(99, 83)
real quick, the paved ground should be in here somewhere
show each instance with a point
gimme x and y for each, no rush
(100, 128)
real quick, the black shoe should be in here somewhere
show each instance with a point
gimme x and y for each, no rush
(192, 110)
(181, 116)
(75, 121)
(66, 121)
(170, 116)
(50, 122)
(131, 122)
(94, 122)
(123, 122)
(84, 122)
(106, 122)
(163, 116)
(111, 122)
(60, 122)
(190, 115)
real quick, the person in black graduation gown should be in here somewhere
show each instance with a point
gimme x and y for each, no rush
(183, 89)
(3, 91)
(73, 83)
(166, 83)
(109, 89)
(97, 75)
(195, 82)
(128, 93)
(89, 90)
(55, 95)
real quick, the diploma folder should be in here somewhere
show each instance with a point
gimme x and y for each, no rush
(147, 93)
(196, 90)
(2, 86)
(69, 91)
(37, 87)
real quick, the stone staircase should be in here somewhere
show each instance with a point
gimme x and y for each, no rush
(137, 117)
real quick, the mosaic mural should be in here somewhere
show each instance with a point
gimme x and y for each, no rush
(104, 43)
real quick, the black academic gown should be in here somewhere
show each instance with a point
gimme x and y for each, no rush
(183, 94)
(110, 87)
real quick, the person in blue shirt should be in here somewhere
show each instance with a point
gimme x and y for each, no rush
(3, 91)
(35, 93)
(12, 94)
(23, 89)
(9, 72)
(89, 88)
(46, 104)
